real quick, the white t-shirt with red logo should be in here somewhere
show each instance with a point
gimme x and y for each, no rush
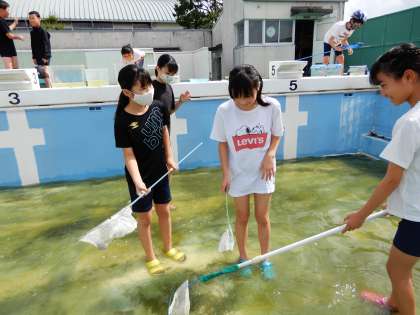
(339, 31)
(248, 135)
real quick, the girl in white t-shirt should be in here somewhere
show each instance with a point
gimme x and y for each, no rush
(248, 128)
(398, 74)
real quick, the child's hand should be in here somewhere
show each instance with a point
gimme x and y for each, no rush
(353, 221)
(141, 188)
(184, 97)
(268, 168)
(171, 165)
(20, 37)
(225, 184)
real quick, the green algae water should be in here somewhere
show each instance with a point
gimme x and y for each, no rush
(45, 270)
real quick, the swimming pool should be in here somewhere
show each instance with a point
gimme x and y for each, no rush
(44, 270)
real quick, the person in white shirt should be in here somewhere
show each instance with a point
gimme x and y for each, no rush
(337, 37)
(398, 74)
(132, 55)
(248, 128)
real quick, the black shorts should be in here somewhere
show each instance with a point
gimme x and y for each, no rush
(327, 50)
(407, 237)
(8, 51)
(160, 194)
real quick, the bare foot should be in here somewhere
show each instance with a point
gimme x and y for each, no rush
(378, 300)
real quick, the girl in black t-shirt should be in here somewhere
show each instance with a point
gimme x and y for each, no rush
(141, 131)
(165, 71)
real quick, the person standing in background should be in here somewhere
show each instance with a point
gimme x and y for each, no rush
(41, 47)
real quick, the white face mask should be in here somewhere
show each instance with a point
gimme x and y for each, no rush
(144, 99)
(168, 79)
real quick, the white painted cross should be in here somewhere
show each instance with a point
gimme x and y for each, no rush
(178, 127)
(292, 120)
(22, 139)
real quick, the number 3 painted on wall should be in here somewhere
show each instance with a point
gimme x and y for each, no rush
(15, 100)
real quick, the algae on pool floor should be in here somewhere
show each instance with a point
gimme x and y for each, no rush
(45, 270)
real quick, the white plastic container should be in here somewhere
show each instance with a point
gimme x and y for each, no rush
(358, 70)
(287, 69)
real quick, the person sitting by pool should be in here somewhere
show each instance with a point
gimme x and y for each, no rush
(398, 74)
(141, 131)
(337, 37)
(132, 55)
(248, 128)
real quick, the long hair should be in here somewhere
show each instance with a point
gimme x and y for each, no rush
(127, 78)
(243, 80)
(396, 61)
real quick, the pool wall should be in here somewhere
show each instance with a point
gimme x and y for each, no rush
(67, 135)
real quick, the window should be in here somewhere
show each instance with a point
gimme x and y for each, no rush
(271, 31)
(81, 25)
(286, 31)
(142, 25)
(264, 32)
(102, 25)
(255, 31)
(240, 34)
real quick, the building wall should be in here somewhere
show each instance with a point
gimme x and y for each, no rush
(237, 10)
(381, 33)
(259, 56)
(97, 39)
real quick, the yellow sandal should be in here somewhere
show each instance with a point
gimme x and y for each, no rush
(176, 254)
(154, 267)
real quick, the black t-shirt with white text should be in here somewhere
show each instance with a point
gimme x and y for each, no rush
(144, 134)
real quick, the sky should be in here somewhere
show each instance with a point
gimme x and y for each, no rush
(373, 8)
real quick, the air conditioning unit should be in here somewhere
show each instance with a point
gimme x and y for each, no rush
(287, 69)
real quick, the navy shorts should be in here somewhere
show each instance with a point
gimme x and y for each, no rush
(407, 238)
(327, 50)
(160, 194)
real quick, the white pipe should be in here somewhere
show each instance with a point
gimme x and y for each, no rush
(305, 241)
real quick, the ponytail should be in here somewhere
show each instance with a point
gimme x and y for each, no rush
(122, 103)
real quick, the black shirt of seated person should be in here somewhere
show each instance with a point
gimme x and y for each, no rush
(144, 134)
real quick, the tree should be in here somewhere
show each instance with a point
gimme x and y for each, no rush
(198, 13)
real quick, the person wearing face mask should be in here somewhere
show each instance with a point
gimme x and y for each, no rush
(141, 131)
(337, 37)
(165, 71)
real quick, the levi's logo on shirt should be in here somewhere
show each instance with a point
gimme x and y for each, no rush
(249, 138)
